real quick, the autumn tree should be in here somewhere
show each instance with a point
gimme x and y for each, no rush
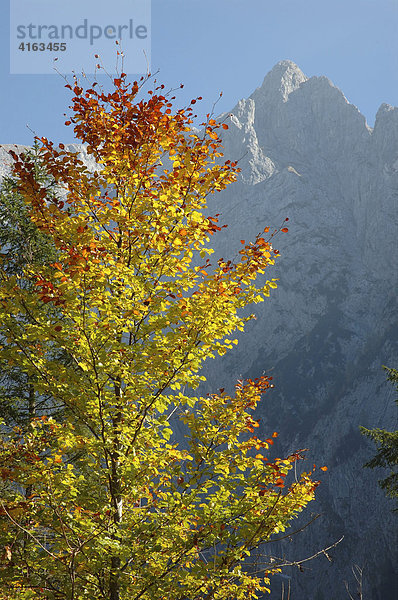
(119, 507)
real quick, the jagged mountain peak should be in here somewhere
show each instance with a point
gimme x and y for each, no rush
(286, 66)
(386, 113)
(283, 79)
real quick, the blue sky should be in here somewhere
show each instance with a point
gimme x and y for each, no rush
(229, 46)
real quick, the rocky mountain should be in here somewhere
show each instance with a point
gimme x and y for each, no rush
(306, 153)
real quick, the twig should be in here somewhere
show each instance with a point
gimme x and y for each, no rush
(297, 563)
(357, 572)
(54, 556)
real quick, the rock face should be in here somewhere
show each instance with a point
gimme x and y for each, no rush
(324, 334)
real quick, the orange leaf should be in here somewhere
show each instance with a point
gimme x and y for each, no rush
(324, 468)
(284, 229)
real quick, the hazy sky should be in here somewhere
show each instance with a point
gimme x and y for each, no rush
(229, 46)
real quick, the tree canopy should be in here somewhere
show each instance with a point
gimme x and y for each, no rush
(102, 500)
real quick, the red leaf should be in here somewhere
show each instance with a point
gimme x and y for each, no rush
(284, 229)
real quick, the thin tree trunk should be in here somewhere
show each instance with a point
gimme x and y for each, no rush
(31, 416)
(29, 487)
(117, 502)
(117, 505)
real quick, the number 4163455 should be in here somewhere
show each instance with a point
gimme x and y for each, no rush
(41, 46)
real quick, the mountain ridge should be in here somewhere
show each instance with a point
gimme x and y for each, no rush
(331, 324)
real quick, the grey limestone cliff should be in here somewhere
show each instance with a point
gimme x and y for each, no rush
(306, 153)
